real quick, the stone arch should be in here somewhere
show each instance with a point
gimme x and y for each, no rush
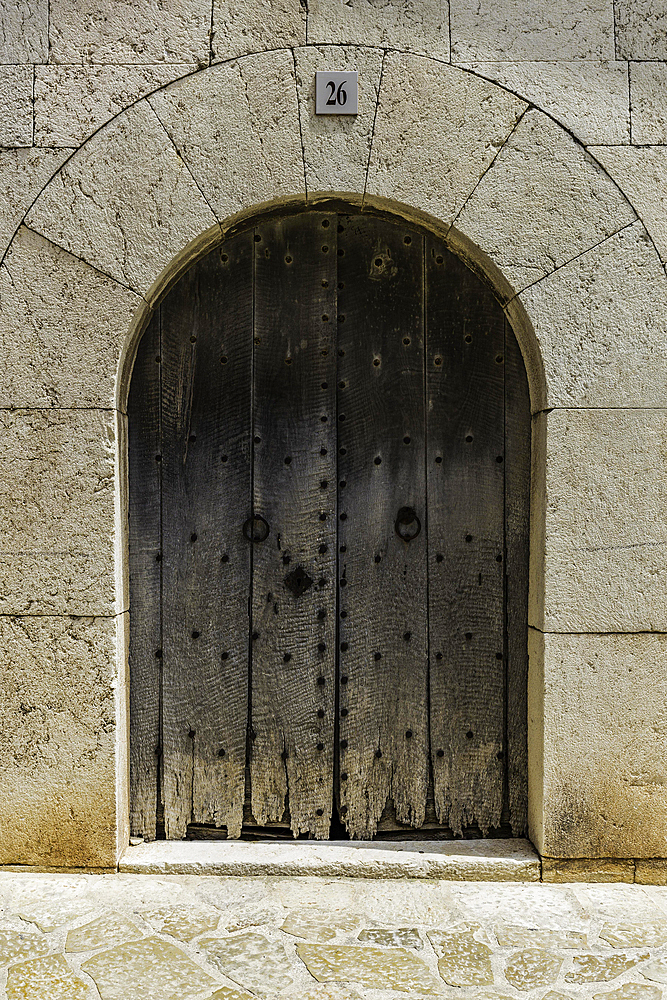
(515, 195)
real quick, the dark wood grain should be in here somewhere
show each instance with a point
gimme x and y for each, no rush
(144, 443)
(517, 525)
(465, 483)
(293, 654)
(206, 405)
(382, 578)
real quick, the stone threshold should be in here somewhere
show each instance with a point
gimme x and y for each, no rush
(467, 860)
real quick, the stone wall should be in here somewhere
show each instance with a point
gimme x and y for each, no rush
(534, 136)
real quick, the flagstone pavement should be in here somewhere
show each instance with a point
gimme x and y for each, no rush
(185, 937)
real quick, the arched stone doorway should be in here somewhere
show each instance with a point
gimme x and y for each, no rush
(329, 431)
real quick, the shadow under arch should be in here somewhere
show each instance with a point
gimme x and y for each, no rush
(457, 242)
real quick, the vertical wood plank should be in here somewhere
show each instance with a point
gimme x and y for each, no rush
(382, 578)
(465, 477)
(293, 655)
(206, 468)
(517, 528)
(144, 443)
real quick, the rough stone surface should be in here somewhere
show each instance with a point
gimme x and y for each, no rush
(604, 763)
(62, 327)
(147, 970)
(265, 24)
(635, 935)
(642, 173)
(587, 870)
(253, 152)
(23, 174)
(183, 923)
(16, 102)
(641, 29)
(432, 155)
(16, 946)
(516, 936)
(463, 960)
(512, 30)
(579, 206)
(47, 978)
(250, 959)
(126, 203)
(649, 94)
(533, 967)
(57, 766)
(72, 102)
(614, 297)
(605, 524)
(422, 28)
(398, 937)
(394, 968)
(24, 31)
(631, 991)
(336, 148)
(651, 871)
(57, 513)
(596, 969)
(112, 928)
(589, 98)
(657, 970)
(83, 31)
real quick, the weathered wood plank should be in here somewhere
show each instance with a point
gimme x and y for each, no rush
(465, 477)
(382, 578)
(206, 467)
(293, 654)
(144, 443)
(517, 525)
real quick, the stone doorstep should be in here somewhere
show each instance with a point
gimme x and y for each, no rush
(469, 860)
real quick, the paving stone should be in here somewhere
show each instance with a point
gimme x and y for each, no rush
(46, 979)
(110, 929)
(393, 968)
(533, 967)
(631, 991)
(251, 960)
(16, 945)
(515, 936)
(600, 969)
(147, 970)
(309, 928)
(48, 915)
(393, 937)
(322, 992)
(184, 923)
(656, 970)
(230, 993)
(650, 935)
(462, 960)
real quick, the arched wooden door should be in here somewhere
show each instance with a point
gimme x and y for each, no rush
(329, 435)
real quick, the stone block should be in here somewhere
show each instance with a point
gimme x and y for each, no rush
(23, 174)
(430, 153)
(411, 27)
(24, 31)
(641, 29)
(642, 174)
(603, 731)
(516, 30)
(237, 128)
(239, 29)
(16, 103)
(72, 102)
(57, 755)
(651, 871)
(648, 83)
(57, 512)
(595, 321)
(605, 522)
(126, 202)
(129, 31)
(589, 98)
(336, 148)
(62, 327)
(579, 205)
(587, 870)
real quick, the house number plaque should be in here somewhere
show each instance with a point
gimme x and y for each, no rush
(337, 93)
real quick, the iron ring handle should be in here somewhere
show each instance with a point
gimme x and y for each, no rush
(256, 529)
(407, 524)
